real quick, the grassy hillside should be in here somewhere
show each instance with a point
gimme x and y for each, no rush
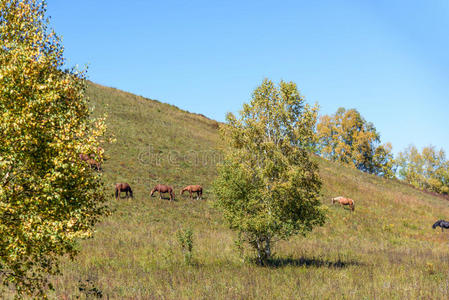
(386, 249)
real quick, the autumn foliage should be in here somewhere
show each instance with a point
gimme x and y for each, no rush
(428, 169)
(49, 198)
(348, 138)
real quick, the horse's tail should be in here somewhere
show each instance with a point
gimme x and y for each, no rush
(172, 194)
(131, 192)
(116, 192)
(353, 205)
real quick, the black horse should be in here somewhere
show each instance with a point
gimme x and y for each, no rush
(443, 224)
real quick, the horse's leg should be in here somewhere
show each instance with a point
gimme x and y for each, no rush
(191, 195)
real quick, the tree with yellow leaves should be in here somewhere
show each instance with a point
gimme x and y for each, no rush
(426, 170)
(348, 138)
(49, 198)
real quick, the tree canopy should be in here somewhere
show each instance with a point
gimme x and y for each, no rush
(348, 138)
(49, 198)
(426, 170)
(268, 187)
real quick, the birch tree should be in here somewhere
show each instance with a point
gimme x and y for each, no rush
(49, 198)
(268, 187)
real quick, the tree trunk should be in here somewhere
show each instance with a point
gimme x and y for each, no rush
(263, 247)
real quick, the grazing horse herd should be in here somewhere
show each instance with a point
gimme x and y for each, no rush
(126, 188)
(162, 188)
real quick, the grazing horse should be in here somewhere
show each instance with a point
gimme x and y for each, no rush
(162, 188)
(94, 164)
(123, 187)
(344, 201)
(91, 162)
(198, 189)
(443, 224)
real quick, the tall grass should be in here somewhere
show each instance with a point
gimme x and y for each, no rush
(386, 249)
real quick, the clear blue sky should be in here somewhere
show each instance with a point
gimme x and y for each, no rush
(389, 59)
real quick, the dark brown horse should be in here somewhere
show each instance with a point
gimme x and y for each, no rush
(123, 187)
(162, 188)
(91, 162)
(198, 189)
(443, 224)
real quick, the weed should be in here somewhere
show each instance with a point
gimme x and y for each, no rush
(89, 290)
(185, 239)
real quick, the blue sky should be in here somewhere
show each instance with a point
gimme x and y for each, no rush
(387, 59)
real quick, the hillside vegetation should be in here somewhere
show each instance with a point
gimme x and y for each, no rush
(386, 249)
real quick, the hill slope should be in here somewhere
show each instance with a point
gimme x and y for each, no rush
(385, 249)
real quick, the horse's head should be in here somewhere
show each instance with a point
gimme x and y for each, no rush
(336, 199)
(437, 223)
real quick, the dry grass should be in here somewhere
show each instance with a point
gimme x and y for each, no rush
(386, 249)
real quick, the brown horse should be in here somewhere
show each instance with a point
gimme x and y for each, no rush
(91, 162)
(198, 189)
(94, 164)
(123, 187)
(344, 201)
(162, 188)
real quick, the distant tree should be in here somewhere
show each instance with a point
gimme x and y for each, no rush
(427, 170)
(49, 198)
(267, 186)
(348, 138)
(383, 162)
